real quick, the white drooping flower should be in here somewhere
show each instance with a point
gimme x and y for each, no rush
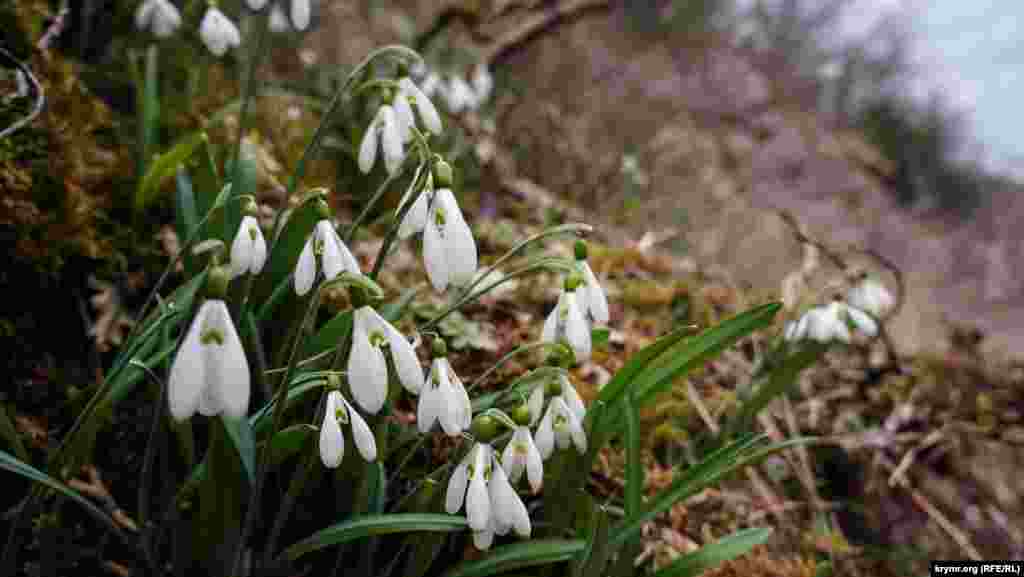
(459, 95)
(492, 505)
(256, 5)
(383, 129)
(218, 32)
(829, 323)
(278, 21)
(367, 367)
(444, 399)
(249, 249)
(210, 372)
(560, 426)
(332, 441)
(407, 97)
(871, 296)
(567, 321)
(521, 454)
(590, 295)
(449, 251)
(159, 17)
(300, 14)
(334, 257)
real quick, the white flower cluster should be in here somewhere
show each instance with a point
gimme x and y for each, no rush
(581, 304)
(864, 303)
(459, 94)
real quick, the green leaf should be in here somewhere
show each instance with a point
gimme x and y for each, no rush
(222, 497)
(289, 441)
(777, 382)
(634, 468)
(329, 335)
(165, 166)
(9, 463)
(592, 560)
(240, 433)
(185, 216)
(743, 452)
(694, 351)
(710, 556)
(10, 433)
(372, 526)
(392, 311)
(519, 555)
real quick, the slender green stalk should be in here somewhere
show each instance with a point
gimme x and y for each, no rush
(365, 213)
(508, 356)
(392, 234)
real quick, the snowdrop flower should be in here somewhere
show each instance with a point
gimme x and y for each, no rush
(521, 454)
(459, 95)
(560, 426)
(300, 14)
(334, 257)
(218, 32)
(871, 296)
(449, 251)
(431, 84)
(383, 128)
(443, 398)
(560, 388)
(256, 5)
(590, 295)
(410, 95)
(567, 321)
(367, 367)
(249, 249)
(828, 323)
(210, 373)
(158, 16)
(492, 505)
(278, 22)
(332, 441)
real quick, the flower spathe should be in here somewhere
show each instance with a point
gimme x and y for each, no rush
(449, 250)
(560, 426)
(567, 321)
(383, 129)
(367, 367)
(210, 372)
(443, 399)
(249, 248)
(334, 257)
(159, 17)
(332, 441)
(218, 32)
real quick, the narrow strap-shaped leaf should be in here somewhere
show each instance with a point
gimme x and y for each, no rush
(634, 468)
(593, 559)
(711, 556)
(518, 556)
(777, 382)
(289, 441)
(8, 432)
(166, 165)
(375, 525)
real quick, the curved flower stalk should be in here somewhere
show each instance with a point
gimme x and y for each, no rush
(334, 257)
(831, 322)
(385, 130)
(407, 97)
(159, 17)
(492, 505)
(590, 296)
(249, 248)
(443, 398)
(871, 296)
(332, 441)
(367, 367)
(210, 372)
(567, 321)
(218, 32)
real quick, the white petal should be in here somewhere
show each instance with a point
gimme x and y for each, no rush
(510, 508)
(511, 460)
(428, 113)
(597, 302)
(862, 321)
(331, 259)
(368, 148)
(209, 401)
(232, 373)
(361, 434)
(482, 82)
(166, 19)
(577, 330)
(460, 247)
(305, 270)
(536, 404)
(144, 14)
(579, 436)
(457, 488)
(188, 373)
(427, 409)
(478, 503)
(789, 333)
(367, 367)
(449, 405)
(534, 466)
(332, 441)
(278, 21)
(434, 258)
(837, 322)
(241, 250)
(403, 117)
(818, 326)
(415, 218)
(256, 5)
(300, 14)
(259, 249)
(391, 141)
(545, 437)
(482, 540)
(549, 333)
(407, 364)
(465, 406)
(340, 253)
(572, 399)
(218, 32)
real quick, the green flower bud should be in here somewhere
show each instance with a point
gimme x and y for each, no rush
(573, 282)
(442, 174)
(323, 210)
(217, 282)
(250, 208)
(521, 415)
(438, 348)
(553, 388)
(484, 428)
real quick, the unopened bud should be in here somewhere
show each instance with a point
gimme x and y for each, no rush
(573, 282)
(217, 282)
(438, 348)
(442, 174)
(484, 428)
(521, 414)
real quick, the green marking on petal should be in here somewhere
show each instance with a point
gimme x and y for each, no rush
(211, 336)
